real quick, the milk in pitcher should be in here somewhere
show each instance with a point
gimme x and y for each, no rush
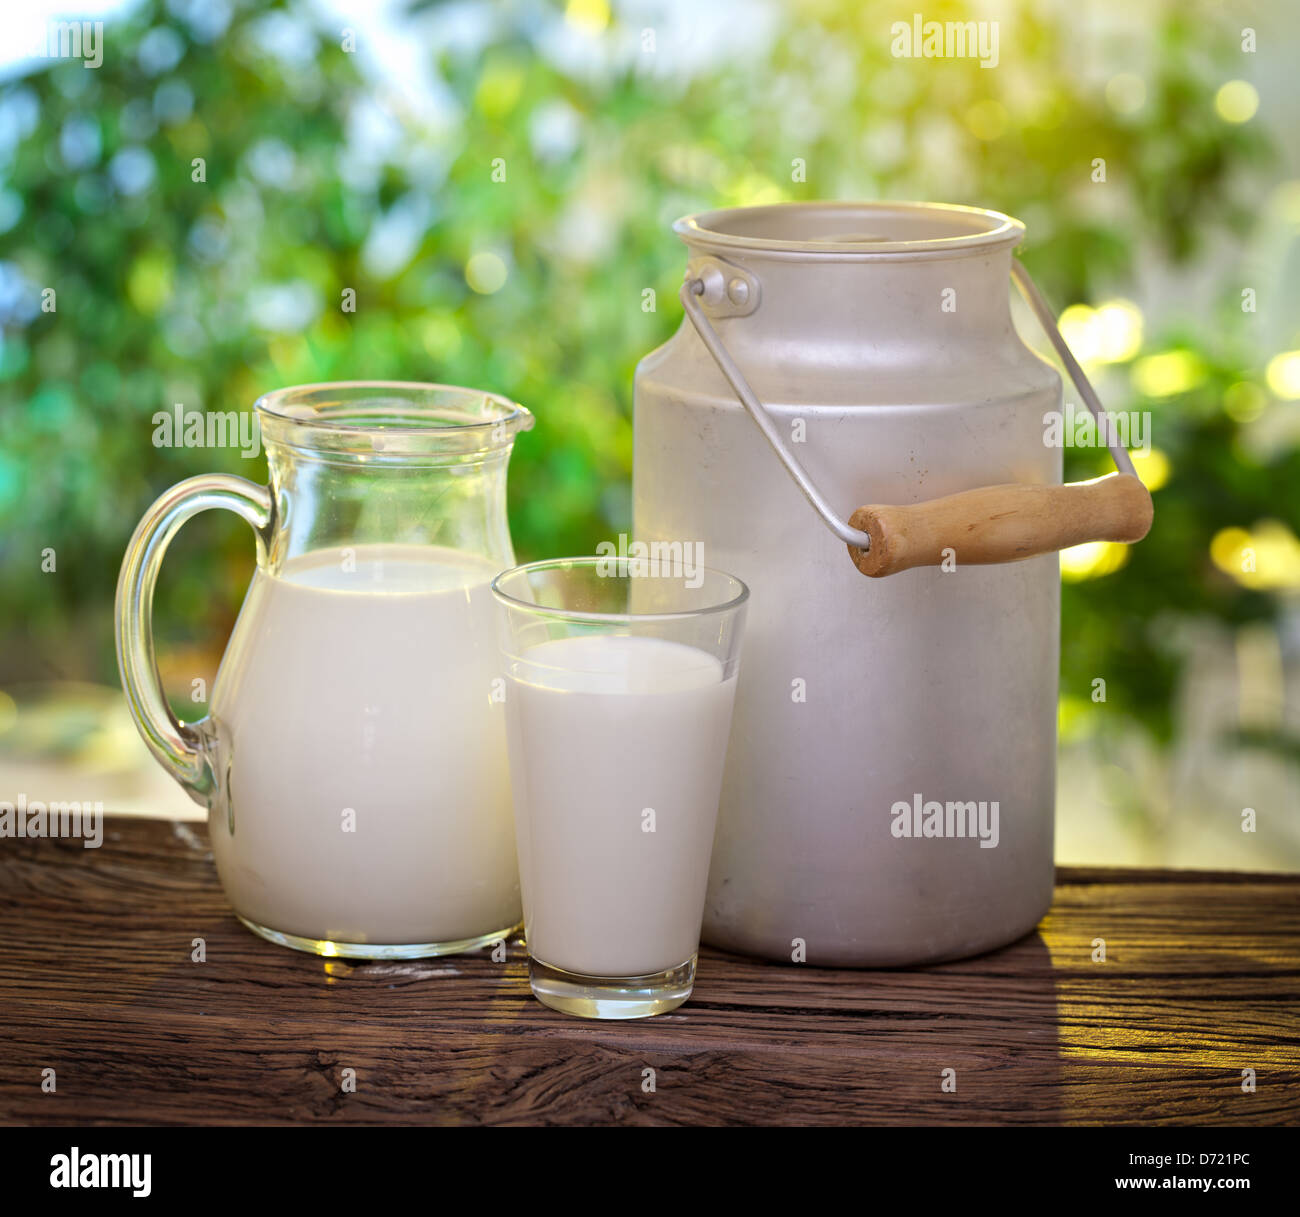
(369, 800)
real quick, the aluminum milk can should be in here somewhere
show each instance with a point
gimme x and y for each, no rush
(889, 794)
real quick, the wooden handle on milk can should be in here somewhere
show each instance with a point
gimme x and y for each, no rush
(1001, 524)
(978, 527)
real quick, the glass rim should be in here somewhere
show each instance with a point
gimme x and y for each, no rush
(273, 404)
(580, 615)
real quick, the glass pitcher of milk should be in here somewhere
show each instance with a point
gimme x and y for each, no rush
(353, 758)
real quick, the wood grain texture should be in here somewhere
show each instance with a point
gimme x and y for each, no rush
(1001, 524)
(1201, 981)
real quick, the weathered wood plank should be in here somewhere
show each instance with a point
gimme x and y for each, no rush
(1201, 981)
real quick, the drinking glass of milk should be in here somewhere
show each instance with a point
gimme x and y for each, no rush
(620, 677)
(353, 757)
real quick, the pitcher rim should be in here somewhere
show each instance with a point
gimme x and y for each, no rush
(701, 230)
(513, 415)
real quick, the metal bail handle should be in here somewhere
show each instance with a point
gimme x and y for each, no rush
(988, 525)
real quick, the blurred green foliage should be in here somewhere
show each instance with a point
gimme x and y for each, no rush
(320, 177)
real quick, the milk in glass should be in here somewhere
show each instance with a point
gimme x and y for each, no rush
(617, 746)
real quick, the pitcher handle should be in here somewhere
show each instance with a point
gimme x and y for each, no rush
(1014, 523)
(181, 748)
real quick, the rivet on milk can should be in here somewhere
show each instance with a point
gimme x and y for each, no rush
(890, 787)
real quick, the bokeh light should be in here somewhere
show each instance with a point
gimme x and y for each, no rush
(1236, 101)
(1110, 333)
(486, 273)
(589, 15)
(1092, 560)
(1168, 373)
(1152, 466)
(1283, 375)
(1265, 557)
(1244, 401)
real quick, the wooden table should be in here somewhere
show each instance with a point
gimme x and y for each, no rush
(1201, 981)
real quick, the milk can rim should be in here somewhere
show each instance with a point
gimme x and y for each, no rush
(697, 230)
